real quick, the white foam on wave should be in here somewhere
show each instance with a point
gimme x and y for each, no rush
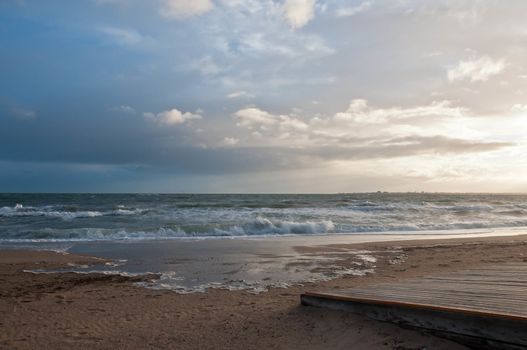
(87, 272)
(172, 281)
(48, 211)
(121, 211)
(260, 226)
(29, 211)
(367, 258)
(19, 210)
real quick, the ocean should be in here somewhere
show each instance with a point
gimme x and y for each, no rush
(125, 217)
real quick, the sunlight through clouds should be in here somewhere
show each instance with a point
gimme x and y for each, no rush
(299, 12)
(480, 69)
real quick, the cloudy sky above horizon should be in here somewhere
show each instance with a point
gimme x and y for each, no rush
(263, 96)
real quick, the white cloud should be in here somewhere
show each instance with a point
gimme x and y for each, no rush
(359, 112)
(362, 132)
(521, 108)
(480, 69)
(183, 9)
(237, 94)
(353, 10)
(254, 117)
(123, 36)
(171, 117)
(359, 125)
(287, 122)
(230, 141)
(299, 12)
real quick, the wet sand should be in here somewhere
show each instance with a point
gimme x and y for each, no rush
(68, 310)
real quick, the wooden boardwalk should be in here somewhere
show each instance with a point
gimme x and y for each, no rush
(484, 307)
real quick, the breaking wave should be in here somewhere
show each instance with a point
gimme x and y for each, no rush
(264, 226)
(69, 214)
(258, 227)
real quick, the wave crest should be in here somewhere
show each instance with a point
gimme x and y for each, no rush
(258, 227)
(66, 213)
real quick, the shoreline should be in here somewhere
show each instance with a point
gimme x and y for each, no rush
(254, 264)
(67, 310)
(450, 233)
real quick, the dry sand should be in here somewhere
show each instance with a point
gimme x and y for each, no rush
(65, 311)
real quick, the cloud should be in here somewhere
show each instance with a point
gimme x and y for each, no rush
(283, 44)
(521, 108)
(480, 69)
(359, 112)
(255, 117)
(171, 117)
(285, 142)
(252, 116)
(440, 144)
(206, 66)
(229, 159)
(433, 54)
(23, 113)
(364, 132)
(299, 12)
(287, 122)
(242, 47)
(403, 147)
(124, 109)
(353, 10)
(183, 9)
(471, 15)
(122, 36)
(230, 141)
(237, 94)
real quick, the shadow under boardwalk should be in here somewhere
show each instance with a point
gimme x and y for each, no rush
(481, 307)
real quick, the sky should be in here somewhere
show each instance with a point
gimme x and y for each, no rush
(263, 96)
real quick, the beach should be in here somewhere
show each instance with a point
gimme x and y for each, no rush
(103, 311)
(279, 174)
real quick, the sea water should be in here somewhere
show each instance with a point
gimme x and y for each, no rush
(114, 217)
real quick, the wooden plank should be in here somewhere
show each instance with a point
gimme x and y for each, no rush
(417, 305)
(445, 301)
(493, 298)
(487, 305)
(480, 330)
(457, 305)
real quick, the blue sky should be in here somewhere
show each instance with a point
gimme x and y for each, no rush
(262, 96)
